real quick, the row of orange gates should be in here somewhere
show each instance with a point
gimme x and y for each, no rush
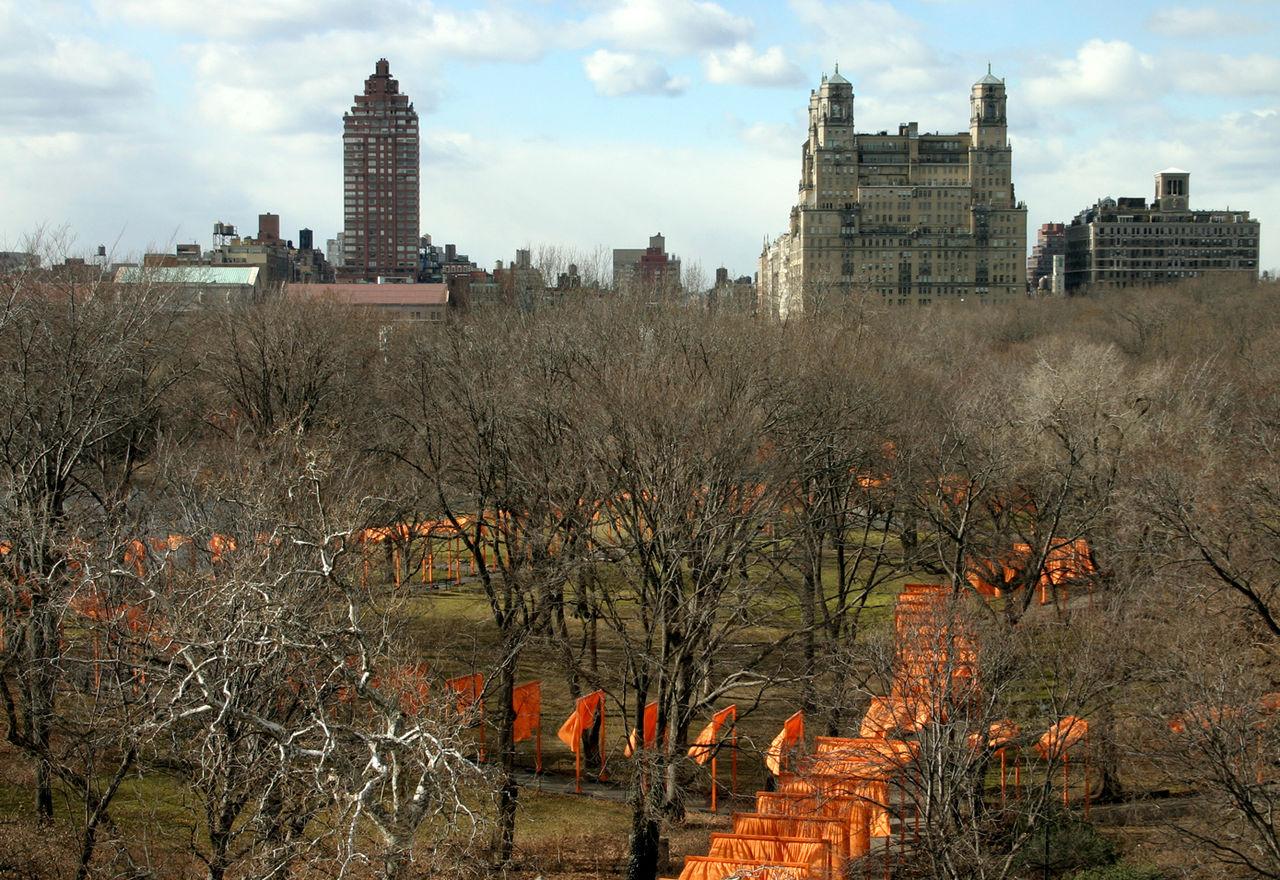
(834, 805)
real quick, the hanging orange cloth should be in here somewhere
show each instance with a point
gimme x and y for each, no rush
(835, 830)
(584, 716)
(711, 868)
(791, 735)
(582, 720)
(770, 850)
(1000, 734)
(704, 747)
(886, 714)
(526, 699)
(650, 732)
(469, 690)
(1062, 736)
(576, 726)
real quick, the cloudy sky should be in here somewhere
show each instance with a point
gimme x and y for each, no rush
(588, 123)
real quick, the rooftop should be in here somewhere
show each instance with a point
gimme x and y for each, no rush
(377, 294)
(246, 275)
(990, 79)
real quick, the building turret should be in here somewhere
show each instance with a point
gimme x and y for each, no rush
(988, 124)
(1173, 190)
(831, 113)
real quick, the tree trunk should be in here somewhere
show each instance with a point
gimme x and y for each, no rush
(1106, 757)
(508, 788)
(808, 596)
(396, 860)
(99, 813)
(645, 845)
(40, 697)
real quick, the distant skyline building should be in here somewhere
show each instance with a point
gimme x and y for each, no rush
(1051, 241)
(650, 266)
(1125, 242)
(911, 218)
(380, 185)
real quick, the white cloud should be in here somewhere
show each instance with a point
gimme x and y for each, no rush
(621, 73)
(1254, 74)
(54, 82)
(252, 90)
(261, 18)
(1101, 71)
(1115, 72)
(775, 138)
(880, 49)
(497, 33)
(670, 27)
(491, 34)
(742, 65)
(1200, 22)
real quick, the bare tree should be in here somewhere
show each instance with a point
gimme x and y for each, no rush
(836, 410)
(292, 705)
(675, 435)
(80, 392)
(489, 443)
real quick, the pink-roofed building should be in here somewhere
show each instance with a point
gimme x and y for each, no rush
(398, 302)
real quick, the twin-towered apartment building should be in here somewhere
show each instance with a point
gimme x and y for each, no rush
(910, 218)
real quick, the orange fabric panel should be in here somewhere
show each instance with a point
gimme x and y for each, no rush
(856, 811)
(1062, 736)
(895, 753)
(992, 578)
(766, 850)
(886, 714)
(469, 689)
(582, 719)
(791, 735)
(708, 868)
(410, 683)
(834, 831)
(650, 732)
(526, 700)
(703, 748)
(781, 803)
(999, 735)
(870, 792)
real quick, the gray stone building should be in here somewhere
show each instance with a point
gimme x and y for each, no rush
(909, 218)
(1125, 242)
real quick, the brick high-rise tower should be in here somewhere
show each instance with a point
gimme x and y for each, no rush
(380, 162)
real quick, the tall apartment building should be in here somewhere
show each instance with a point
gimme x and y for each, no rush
(380, 166)
(909, 218)
(1127, 243)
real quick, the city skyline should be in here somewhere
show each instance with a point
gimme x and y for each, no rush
(592, 124)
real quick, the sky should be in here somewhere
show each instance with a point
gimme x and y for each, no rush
(584, 124)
